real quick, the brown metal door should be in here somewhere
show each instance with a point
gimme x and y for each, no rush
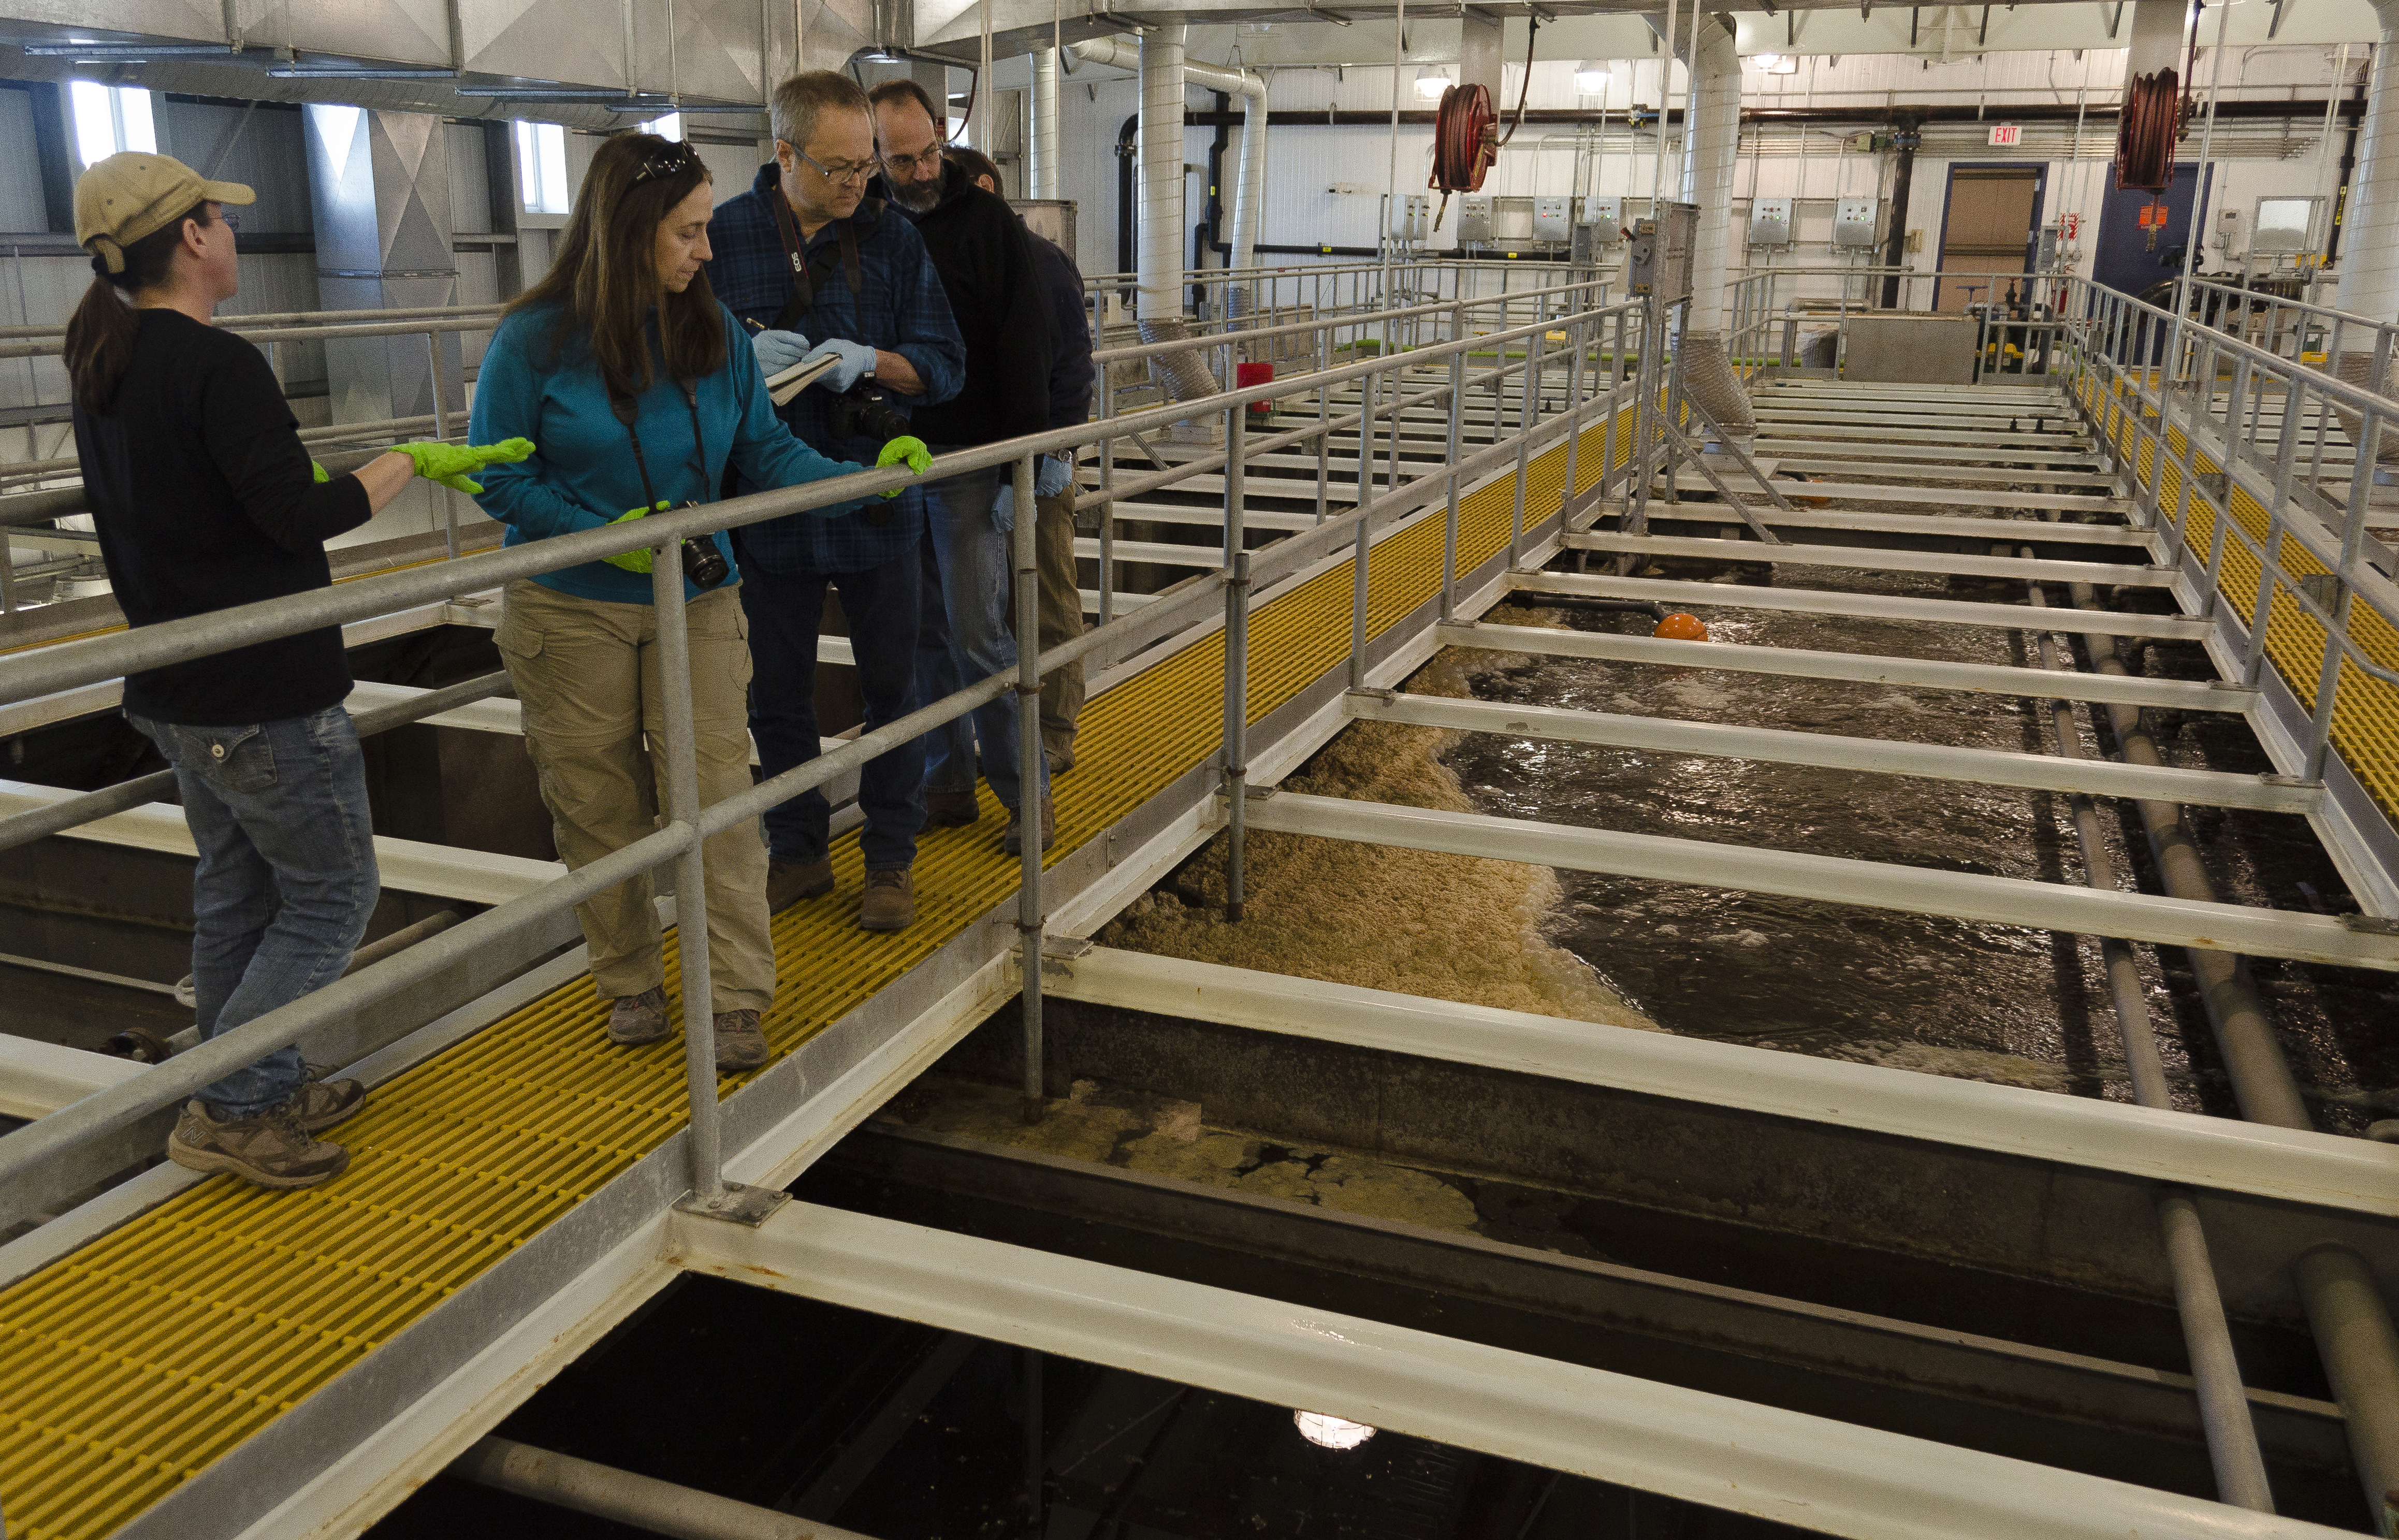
(1987, 230)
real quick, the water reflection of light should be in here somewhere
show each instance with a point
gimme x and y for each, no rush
(1330, 1432)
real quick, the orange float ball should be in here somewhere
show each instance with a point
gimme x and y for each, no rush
(1682, 626)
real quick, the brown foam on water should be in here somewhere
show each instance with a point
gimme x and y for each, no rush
(1449, 927)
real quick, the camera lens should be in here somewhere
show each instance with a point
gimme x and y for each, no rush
(703, 564)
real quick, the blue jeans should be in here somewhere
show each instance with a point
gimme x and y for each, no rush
(965, 637)
(785, 610)
(286, 881)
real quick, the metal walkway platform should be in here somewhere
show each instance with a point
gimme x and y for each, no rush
(204, 1359)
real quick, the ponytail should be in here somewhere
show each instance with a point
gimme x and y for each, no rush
(100, 332)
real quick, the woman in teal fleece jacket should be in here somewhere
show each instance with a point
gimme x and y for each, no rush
(625, 313)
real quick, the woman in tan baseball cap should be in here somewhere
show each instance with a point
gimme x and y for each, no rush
(204, 498)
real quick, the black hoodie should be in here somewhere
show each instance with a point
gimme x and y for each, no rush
(980, 250)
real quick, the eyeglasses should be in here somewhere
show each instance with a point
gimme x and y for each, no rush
(673, 160)
(906, 166)
(230, 220)
(844, 173)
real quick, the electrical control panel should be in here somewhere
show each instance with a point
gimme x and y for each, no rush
(1770, 221)
(1854, 222)
(1474, 218)
(1412, 218)
(1550, 220)
(1602, 216)
(1659, 263)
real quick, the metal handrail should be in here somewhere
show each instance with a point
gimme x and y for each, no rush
(27, 1153)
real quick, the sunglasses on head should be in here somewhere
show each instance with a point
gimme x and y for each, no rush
(671, 161)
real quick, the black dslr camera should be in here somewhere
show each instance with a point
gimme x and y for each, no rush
(703, 564)
(864, 412)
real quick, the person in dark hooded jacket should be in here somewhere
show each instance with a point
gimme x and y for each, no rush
(986, 262)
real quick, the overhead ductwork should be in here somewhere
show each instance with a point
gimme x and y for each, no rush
(1045, 179)
(1249, 189)
(2369, 262)
(1710, 150)
(1157, 275)
(244, 83)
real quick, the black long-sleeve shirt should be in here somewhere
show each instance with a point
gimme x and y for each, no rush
(985, 259)
(1070, 369)
(205, 499)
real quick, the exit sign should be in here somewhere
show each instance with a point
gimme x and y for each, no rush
(2006, 133)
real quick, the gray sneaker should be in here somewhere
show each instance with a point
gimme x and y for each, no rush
(271, 1149)
(739, 1043)
(637, 1019)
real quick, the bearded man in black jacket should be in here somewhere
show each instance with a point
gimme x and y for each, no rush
(980, 250)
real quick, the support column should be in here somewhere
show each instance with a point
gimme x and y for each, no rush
(379, 188)
(2369, 240)
(1712, 145)
(1479, 53)
(1042, 144)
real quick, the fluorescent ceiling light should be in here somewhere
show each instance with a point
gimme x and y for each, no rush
(1431, 83)
(1590, 77)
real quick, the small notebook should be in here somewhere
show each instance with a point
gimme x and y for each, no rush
(781, 387)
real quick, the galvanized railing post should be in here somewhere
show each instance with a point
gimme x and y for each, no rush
(1358, 574)
(1236, 655)
(1455, 432)
(1029, 916)
(441, 431)
(1527, 413)
(691, 874)
(1107, 495)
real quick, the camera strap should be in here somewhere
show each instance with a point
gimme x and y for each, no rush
(808, 271)
(628, 410)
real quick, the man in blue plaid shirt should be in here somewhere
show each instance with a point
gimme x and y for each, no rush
(810, 268)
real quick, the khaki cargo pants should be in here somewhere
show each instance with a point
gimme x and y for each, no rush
(587, 673)
(1061, 618)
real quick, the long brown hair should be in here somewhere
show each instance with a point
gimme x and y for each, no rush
(100, 332)
(606, 279)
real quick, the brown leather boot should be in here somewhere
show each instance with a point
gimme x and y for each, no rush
(1013, 841)
(789, 882)
(952, 809)
(890, 901)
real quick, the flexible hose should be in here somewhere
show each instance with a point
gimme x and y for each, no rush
(1465, 141)
(2146, 132)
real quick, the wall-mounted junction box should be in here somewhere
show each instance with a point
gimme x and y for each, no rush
(1550, 219)
(1770, 221)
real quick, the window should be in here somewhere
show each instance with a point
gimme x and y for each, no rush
(668, 126)
(541, 167)
(109, 119)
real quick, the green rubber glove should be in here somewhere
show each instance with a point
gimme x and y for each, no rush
(919, 458)
(321, 475)
(633, 560)
(450, 464)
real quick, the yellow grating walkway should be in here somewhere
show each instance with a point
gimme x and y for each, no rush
(131, 1364)
(2365, 709)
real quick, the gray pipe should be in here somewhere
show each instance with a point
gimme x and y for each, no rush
(2224, 1416)
(622, 1497)
(2352, 1323)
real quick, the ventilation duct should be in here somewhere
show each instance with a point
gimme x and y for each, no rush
(1158, 275)
(1249, 189)
(2369, 263)
(242, 83)
(1712, 147)
(1044, 180)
